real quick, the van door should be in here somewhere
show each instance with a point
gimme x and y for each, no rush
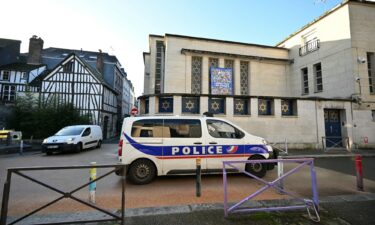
(228, 142)
(87, 138)
(182, 145)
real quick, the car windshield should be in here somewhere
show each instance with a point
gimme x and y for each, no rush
(70, 131)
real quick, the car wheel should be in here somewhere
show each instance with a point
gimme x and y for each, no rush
(79, 147)
(48, 153)
(99, 144)
(142, 171)
(257, 169)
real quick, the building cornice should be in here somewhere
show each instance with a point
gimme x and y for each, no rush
(222, 41)
(231, 55)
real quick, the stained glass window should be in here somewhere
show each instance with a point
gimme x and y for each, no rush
(265, 106)
(216, 105)
(288, 107)
(241, 106)
(196, 74)
(244, 77)
(190, 105)
(166, 105)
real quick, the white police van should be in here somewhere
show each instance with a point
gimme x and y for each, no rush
(169, 145)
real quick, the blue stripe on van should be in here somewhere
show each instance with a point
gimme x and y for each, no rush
(196, 149)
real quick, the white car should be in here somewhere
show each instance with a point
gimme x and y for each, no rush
(74, 138)
(170, 145)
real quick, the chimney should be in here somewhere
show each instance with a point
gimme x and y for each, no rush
(100, 62)
(35, 50)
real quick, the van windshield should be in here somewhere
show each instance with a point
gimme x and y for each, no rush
(67, 131)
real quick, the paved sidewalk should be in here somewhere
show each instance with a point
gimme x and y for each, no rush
(337, 210)
(327, 154)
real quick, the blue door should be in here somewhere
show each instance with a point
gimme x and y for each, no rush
(333, 128)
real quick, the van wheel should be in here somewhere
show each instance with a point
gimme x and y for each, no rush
(258, 169)
(142, 171)
(99, 144)
(79, 147)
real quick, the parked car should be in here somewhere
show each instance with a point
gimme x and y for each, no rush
(169, 145)
(73, 138)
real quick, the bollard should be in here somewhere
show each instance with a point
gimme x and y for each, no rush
(359, 172)
(199, 180)
(21, 147)
(92, 186)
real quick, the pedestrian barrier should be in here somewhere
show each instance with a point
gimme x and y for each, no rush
(335, 142)
(69, 194)
(279, 146)
(308, 204)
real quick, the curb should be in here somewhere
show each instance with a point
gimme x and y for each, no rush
(349, 155)
(261, 203)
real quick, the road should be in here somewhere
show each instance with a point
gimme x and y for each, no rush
(164, 191)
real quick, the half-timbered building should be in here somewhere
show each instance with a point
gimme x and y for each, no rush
(74, 81)
(15, 80)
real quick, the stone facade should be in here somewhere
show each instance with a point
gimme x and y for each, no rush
(312, 89)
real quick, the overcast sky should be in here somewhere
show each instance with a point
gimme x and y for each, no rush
(121, 27)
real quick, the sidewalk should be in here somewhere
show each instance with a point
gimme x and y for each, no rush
(338, 210)
(327, 154)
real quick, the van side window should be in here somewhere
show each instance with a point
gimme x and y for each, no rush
(220, 129)
(87, 132)
(149, 128)
(183, 128)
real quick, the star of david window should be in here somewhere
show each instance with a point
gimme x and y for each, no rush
(196, 74)
(244, 77)
(241, 106)
(288, 107)
(265, 107)
(190, 105)
(216, 105)
(166, 105)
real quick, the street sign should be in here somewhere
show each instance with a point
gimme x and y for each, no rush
(134, 111)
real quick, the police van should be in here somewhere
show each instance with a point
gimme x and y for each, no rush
(169, 145)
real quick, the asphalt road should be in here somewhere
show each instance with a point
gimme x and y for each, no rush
(163, 191)
(347, 166)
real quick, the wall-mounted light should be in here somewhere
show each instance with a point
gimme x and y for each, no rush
(361, 60)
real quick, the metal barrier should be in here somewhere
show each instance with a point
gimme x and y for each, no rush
(277, 146)
(69, 194)
(337, 142)
(307, 203)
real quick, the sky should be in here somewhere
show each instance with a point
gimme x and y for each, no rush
(122, 27)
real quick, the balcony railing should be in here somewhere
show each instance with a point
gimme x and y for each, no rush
(309, 47)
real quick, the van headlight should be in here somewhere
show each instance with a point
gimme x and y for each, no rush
(70, 140)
